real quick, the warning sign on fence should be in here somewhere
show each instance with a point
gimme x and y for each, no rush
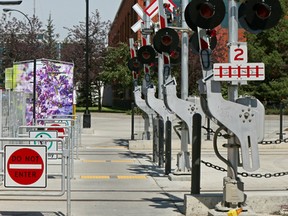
(52, 146)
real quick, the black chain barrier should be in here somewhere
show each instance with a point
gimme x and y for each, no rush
(264, 142)
(245, 174)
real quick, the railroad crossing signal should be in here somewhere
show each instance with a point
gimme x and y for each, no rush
(166, 40)
(253, 15)
(258, 15)
(134, 64)
(146, 54)
(206, 14)
(25, 166)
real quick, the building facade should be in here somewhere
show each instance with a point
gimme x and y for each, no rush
(120, 30)
(125, 18)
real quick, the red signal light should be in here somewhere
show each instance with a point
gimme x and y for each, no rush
(206, 10)
(263, 11)
(174, 54)
(146, 55)
(136, 64)
(166, 40)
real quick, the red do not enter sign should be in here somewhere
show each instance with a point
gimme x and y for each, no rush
(25, 166)
(61, 131)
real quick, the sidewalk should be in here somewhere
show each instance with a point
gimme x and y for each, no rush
(273, 159)
(267, 196)
(112, 180)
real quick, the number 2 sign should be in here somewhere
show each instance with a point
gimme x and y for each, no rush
(238, 53)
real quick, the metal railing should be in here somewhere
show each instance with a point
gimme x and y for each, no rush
(64, 174)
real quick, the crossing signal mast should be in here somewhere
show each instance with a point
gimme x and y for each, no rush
(241, 118)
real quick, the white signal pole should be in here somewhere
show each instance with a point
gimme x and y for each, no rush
(233, 88)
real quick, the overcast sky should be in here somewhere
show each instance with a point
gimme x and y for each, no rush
(65, 12)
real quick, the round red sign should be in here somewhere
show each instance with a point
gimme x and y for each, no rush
(25, 166)
(60, 130)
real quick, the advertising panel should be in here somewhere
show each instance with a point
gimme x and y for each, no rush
(54, 87)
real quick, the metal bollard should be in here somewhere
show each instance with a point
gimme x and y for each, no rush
(168, 153)
(281, 122)
(161, 142)
(196, 154)
(208, 126)
(132, 121)
(155, 140)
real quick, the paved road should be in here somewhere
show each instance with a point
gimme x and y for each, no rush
(111, 180)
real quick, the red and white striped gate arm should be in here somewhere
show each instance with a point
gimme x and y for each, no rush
(132, 48)
(133, 54)
(162, 16)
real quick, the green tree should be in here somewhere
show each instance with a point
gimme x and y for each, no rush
(20, 39)
(115, 70)
(74, 49)
(270, 47)
(50, 41)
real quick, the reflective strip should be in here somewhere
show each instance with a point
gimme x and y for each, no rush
(25, 166)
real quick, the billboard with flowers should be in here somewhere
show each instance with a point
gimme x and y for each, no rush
(53, 87)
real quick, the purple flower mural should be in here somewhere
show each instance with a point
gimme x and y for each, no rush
(54, 87)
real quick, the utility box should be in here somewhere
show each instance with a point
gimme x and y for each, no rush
(51, 86)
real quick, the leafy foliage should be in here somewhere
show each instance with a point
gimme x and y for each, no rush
(20, 39)
(52, 48)
(74, 49)
(115, 70)
(25, 40)
(270, 47)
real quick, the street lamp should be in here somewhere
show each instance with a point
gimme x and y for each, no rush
(10, 2)
(34, 62)
(9, 10)
(87, 115)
